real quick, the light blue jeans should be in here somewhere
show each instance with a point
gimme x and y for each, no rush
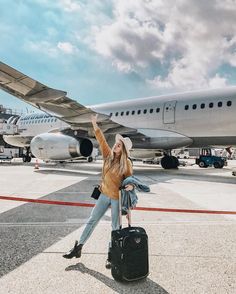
(98, 212)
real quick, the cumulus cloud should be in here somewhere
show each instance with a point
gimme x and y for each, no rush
(184, 43)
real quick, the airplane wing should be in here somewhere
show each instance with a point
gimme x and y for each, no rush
(54, 102)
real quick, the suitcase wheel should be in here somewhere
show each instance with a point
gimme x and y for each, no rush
(116, 273)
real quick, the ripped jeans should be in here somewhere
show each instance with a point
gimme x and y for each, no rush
(98, 212)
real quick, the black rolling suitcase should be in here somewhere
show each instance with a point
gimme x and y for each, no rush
(129, 252)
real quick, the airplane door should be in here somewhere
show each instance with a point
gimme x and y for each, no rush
(169, 112)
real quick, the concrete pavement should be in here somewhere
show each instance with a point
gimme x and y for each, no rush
(189, 253)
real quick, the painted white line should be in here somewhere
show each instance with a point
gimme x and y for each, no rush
(70, 170)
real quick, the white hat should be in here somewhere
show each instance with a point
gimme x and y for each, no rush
(126, 141)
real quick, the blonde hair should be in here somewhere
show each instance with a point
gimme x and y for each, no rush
(122, 166)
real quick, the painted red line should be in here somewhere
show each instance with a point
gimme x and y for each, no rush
(69, 203)
(185, 210)
(43, 201)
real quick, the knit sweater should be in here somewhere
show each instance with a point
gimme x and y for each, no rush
(111, 180)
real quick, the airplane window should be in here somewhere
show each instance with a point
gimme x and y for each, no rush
(145, 111)
(45, 120)
(56, 119)
(151, 110)
(186, 107)
(127, 112)
(52, 120)
(122, 113)
(229, 103)
(194, 106)
(117, 113)
(202, 105)
(211, 104)
(139, 111)
(158, 109)
(220, 104)
(133, 112)
(41, 120)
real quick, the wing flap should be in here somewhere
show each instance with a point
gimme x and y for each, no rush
(54, 102)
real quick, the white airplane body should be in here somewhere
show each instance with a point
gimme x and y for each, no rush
(194, 119)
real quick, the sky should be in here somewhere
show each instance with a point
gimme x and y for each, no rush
(104, 50)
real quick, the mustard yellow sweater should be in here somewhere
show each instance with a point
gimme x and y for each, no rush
(112, 180)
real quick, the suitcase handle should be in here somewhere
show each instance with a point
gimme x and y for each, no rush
(120, 211)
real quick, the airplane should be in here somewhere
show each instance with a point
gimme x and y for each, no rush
(204, 118)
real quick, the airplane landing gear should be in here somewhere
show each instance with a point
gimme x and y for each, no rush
(169, 162)
(27, 157)
(90, 159)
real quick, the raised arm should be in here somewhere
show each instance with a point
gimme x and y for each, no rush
(105, 149)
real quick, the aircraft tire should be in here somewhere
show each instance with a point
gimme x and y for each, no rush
(90, 159)
(169, 162)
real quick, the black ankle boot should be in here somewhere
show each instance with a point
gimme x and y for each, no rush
(74, 252)
(108, 261)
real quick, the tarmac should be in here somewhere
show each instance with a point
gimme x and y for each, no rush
(188, 253)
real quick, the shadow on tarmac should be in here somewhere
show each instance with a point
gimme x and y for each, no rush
(142, 286)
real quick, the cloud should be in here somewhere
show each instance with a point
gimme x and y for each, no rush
(50, 49)
(183, 44)
(67, 47)
(70, 5)
(42, 47)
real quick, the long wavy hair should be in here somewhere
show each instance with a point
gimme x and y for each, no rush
(121, 165)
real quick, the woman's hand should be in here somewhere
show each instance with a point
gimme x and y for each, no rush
(94, 121)
(129, 187)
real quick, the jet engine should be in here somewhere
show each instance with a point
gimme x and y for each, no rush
(57, 146)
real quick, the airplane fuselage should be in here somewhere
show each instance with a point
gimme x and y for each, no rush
(194, 119)
(205, 117)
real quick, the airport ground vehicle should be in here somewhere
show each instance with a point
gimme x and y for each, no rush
(183, 154)
(207, 159)
(156, 160)
(152, 160)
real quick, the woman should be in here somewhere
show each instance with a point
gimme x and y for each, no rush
(116, 167)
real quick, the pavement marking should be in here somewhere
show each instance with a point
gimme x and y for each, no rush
(104, 222)
(83, 204)
(70, 170)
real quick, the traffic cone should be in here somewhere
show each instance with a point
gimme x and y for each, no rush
(36, 166)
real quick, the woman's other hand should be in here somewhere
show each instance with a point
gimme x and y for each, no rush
(129, 187)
